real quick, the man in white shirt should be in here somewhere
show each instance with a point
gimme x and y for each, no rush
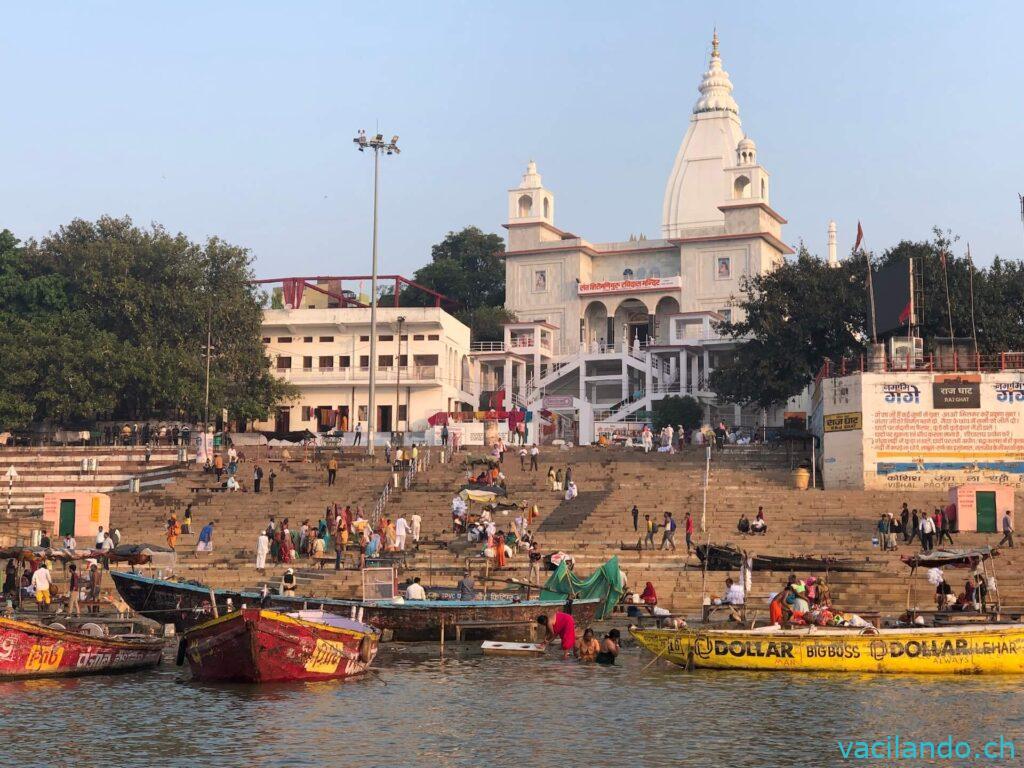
(417, 522)
(534, 455)
(262, 550)
(733, 593)
(99, 538)
(401, 529)
(70, 543)
(41, 583)
(415, 590)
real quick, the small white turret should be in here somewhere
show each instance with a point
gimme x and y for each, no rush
(832, 260)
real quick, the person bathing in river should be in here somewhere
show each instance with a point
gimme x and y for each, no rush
(562, 626)
(587, 647)
(609, 648)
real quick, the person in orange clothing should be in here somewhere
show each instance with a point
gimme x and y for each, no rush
(218, 465)
(173, 531)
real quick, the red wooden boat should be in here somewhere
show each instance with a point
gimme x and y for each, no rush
(260, 646)
(29, 650)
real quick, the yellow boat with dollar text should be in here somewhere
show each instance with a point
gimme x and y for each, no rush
(968, 650)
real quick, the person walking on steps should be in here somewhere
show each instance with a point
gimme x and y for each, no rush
(1007, 530)
(669, 533)
(636, 514)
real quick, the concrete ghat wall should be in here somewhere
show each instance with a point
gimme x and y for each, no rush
(924, 431)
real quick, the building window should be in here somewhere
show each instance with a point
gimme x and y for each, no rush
(326, 362)
(284, 339)
(403, 360)
(540, 281)
(627, 274)
(306, 413)
(726, 313)
(415, 337)
(266, 339)
(433, 337)
(361, 413)
(525, 206)
(385, 361)
(723, 268)
(284, 363)
(327, 338)
(405, 337)
(307, 363)
(419, 360)
(307, 339)
(344, 361)
(364, 361)
(386, 337)
(364, 338)
(402, 416)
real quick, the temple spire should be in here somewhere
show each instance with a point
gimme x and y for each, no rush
(715, 88)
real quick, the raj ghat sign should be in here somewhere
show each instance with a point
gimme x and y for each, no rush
(920, 430)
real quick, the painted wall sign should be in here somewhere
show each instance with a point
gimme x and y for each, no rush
(842, 422)
(956, 392)
(630, 286)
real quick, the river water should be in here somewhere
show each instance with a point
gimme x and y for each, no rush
(468, 711)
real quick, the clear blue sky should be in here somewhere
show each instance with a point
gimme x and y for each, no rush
(236, 118)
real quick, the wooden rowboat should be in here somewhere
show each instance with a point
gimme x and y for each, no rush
(494, 648)
(29, 650)
(985, 649)
(258, 646)
(187, 604)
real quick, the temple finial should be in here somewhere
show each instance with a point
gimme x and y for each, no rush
(714, 43)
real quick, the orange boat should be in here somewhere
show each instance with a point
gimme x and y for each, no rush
(30, 650)
(260, 646)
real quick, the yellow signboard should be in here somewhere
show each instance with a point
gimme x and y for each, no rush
(842, 422)
(326, 657)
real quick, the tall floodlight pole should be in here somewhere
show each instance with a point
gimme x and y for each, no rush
(378, 145)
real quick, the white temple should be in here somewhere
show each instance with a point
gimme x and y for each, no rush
(606, 329)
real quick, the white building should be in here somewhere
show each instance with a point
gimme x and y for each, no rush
(422, 367)
(629, 322)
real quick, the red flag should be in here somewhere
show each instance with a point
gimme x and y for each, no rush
(905, 314)
(860, 236)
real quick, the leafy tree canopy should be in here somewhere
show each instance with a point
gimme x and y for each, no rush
(106, 318)
(467, 267)
(675, 411)
(794, 318)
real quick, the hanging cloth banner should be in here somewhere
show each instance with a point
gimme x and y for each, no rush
(292, 290)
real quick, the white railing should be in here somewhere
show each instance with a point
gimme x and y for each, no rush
(487, 346)
(384, 373)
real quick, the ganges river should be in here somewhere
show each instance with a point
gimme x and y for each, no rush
(466, 710)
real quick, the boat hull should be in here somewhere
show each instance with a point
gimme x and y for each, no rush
(186, 605)
(259, 646)
(28, 650)
(995, 649)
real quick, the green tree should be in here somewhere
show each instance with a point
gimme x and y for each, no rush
(792, 319)
(468, 267)
(108, 318)
(674, 411)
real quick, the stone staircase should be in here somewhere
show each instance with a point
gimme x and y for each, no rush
(591, 527)
(51, 469)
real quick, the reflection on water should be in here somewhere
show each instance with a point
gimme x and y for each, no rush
(467, 710)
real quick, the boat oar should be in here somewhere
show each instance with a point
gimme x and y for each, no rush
(663, 651)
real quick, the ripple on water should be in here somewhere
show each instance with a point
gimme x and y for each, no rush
(467, 711)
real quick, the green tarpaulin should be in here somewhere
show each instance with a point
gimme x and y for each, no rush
(604, 584)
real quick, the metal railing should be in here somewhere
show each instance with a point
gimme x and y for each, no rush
(943, 362)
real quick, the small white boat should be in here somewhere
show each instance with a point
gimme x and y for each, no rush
(494, 648)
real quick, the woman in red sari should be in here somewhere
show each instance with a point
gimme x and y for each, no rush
(649, 596)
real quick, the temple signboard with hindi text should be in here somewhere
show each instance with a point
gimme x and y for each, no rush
(630, 286)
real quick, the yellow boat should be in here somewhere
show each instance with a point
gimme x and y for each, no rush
(985, 649)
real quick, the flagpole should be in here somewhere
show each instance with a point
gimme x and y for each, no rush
(871, 285)
(949, 306)
(910, 320)
(974, 327)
